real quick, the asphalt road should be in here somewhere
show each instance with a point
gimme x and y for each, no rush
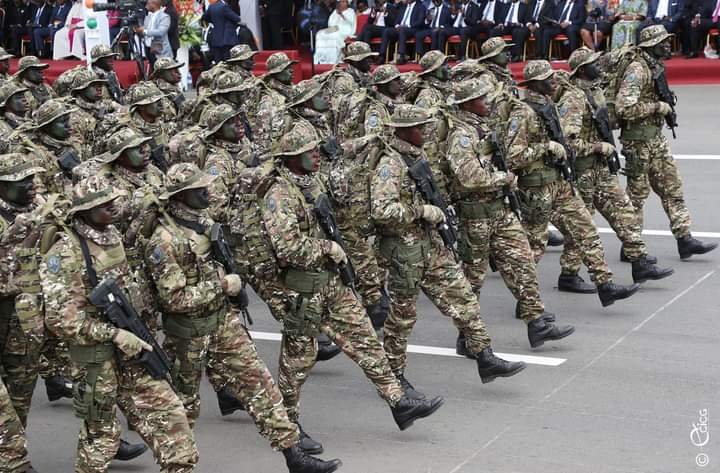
(639, 382)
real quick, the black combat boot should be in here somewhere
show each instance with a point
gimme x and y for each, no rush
(409, 389)
(461, 347)
(546, 316)
(491, 367)
(623, 257)
(610, 292)
(58, 387)
(300, 462)
(127, 451)
(327, 350)
(574, 283)
(688, 246)
(408, 410)
(643, 270)
(555, 238)
(378, 312)
(540, 331)
(307, 444)
(228, 403)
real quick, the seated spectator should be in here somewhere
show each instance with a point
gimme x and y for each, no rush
(40, 19)
(628, 16)
(466, 23)
(70, 39)
(567, 18)
(439, 17)
(668, 13)
(223, 35)
(363, 8)
(492, 18)
(18, 15)
(410, 18)
(382, 16)
(534, 23)
(598, 25)
(704, 16)
(57, 20)
(514, 16)
(330, 41)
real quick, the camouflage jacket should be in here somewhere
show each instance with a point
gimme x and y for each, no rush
(83, 121)
(434, 95)
(11, 127)
(226, 161)
(174, 103)
(37, 94)
(576, 117)
(526, 139)
(113, 90)
(15, 225)
(636, 99)
(269, 121)
(48, 151)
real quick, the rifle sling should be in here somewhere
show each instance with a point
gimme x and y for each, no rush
(92, 274)
(194, 226)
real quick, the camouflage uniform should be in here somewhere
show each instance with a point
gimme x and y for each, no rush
(84, 119)
(13, 448)
(238, 53)
(4, 56)
(114, 89)
(37, 93)
(268, 121)
(413, 252)
(174, 100)
(100, 380)
(10, 122)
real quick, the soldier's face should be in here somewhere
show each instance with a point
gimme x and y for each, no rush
(4, 66)
(590, 71)
(501, 59)
(247, 64)
(93, 92)
(442, 73)
(21, 193)
(414, 135)
(363, 65)
(285, 76)
(196, 198)
(106, 63)
(310, 161)
(18, 104)
(234, 98)
(153, 110)
(663, 49)
(233, 129)
(394, 87)
(172, 75)
(137, 158)
(478, 106)
(318, 103)
(545, 87)
(59, 128)
(103, 215)
(34, 75)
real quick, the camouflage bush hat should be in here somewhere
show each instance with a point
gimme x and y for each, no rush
(471, 89)
(29, 62)
(492, 47)
(240, 53)
(278, 62)
(185, 176)
(63, 83)
(5, 55)
(357, 51)
(51, 111)
(231, 82)
(165, 64)
(653, 35)
(304, 91)
(217, 115)
(92, 192)
(385, 74)
(466, 69)
(407, 115)
(536, 70)
(581, 57)
(15, 167)
(143, 93)
(432, 61)
(299, 140)
(119, 141)
(8, 89)
(100, 51)
(84, 78)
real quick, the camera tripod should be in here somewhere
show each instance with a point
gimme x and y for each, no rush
(135, 48)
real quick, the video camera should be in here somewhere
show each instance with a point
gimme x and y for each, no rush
(132, 12)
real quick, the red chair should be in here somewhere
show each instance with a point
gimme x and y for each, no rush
(24, 41)
(360, 22)
(713, 32)
(556, 41)
(410, 41)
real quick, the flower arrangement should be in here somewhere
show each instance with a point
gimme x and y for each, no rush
(189, 28)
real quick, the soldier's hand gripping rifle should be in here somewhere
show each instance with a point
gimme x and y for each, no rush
(666, 95)
(326, 219)
(567, 165)
(108, 297)
(602, 122)
(421, 173)
(498, 159)
(222, 253)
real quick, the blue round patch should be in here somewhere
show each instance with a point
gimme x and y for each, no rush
(53, 264)
(271, 204)
(157, 255)
(385, 173)
(213, 171)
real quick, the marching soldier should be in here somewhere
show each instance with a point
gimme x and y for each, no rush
(649, 161)
(102, 58)
(30, 75)
(279, 74)
(4, 65)
(87, 91)
(15, 114)
(166, 75)
(241, 61)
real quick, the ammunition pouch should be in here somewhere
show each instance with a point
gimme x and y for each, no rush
(634, 166)
(92, 354)
(640, 131)
(302, 318)
(30, 312)
(583, 163)
(535, 206)
(185, 326)
(480, 210)
(405, 264)
(306, 283)
(91, 405)
(539, 177)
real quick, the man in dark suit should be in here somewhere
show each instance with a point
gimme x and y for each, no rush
(492, 17)
(276, 14)
(223, 35)
(41, 15)
(439, 18)
(513, 16)
(410, 18)
(466, 24)
(567, 18)
(381, 16)
(173, 32)
(704, 15)
(534, 24)
(18, 15)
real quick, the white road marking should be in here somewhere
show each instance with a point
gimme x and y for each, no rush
(437, 351)
(698, 157)
(665, 233)
(479, 451)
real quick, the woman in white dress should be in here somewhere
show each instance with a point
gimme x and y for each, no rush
(331, 40)
(70, 39)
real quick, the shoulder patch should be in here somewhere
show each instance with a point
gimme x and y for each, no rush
(631, 77)
(563, 110)
(514, 125)
(421, 103)
(373, 120)
(385, 173)
(53, 264)
(213, 171)
(464, 141)
(157, 256)
(271, 204)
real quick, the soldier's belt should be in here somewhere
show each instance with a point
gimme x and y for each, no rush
(306, 282)
(93, 354)
(186, 326)
(583, 163)
(539, 177)
(480, 210)
(640, 131)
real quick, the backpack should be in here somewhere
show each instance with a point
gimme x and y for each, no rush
(612, 66)
(187, 146)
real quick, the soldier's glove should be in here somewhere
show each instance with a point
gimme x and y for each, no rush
(129, 343)
(556, 150)
(231, 284)
(432, 214)
(336, 253)
(603, 149)
(511, 180)
(663, 108)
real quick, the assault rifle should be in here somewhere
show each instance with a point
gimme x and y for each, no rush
(222, 253)
(602, 122)
(549, 115)
(667, 96)
(498, 159)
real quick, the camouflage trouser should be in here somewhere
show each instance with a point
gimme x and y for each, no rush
(601, 190)
(370, 278)
(443, 282)
(188, 369)
(13, 446)
(54, 358)
(504, 237)
(234, 361)
(162, 423)
(556, 202)
(650, 165)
